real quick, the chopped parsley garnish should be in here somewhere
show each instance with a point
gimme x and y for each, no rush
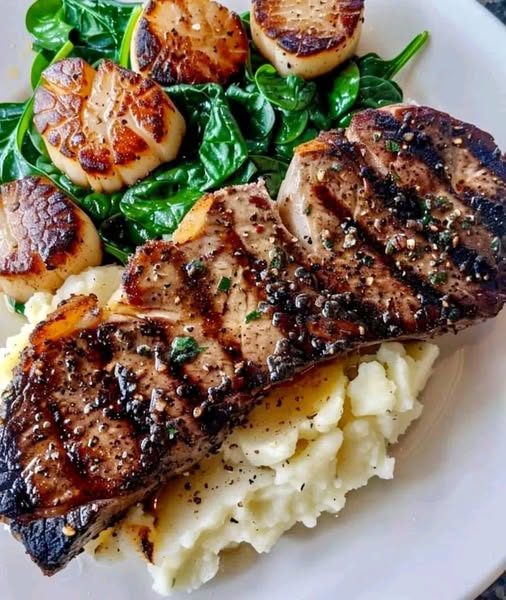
(453, 314)
(308, 209)
(377, 136)
(439, 277)
(445, 239)
(17, 307)
(254, 315)
(367, 260)
(496, 245)
(278, 258)
(171, 432)
(392, 146)
(195, 267)
(442, 201)
(328, 243)
(224, 284)
(184, 349)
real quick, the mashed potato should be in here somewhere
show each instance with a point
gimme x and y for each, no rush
(301, 451)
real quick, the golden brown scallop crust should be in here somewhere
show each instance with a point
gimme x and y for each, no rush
(106, 128)
(189, 41)
(341, 21)
(44, 237)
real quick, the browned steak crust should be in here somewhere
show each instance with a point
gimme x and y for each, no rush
(106, 406)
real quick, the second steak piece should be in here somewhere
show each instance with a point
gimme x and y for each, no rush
(407, 211)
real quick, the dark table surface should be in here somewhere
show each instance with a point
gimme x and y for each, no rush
(498, 590)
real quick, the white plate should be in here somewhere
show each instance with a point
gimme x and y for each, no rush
(437, 531)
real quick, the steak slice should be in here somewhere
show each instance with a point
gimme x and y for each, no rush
(108, 404)
(407, 211)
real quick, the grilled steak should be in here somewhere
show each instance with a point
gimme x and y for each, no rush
(106, 405)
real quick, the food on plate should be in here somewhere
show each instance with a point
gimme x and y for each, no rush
(101, 281)
(302, 449)
(188, 41)
(306, 37)
(202, 327)
(422, 195)
(299, 453)
(105, 128)
(44, 238)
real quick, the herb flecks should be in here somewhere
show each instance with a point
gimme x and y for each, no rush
(171, 432)
(392, 146)
(15, 306)
(254, 315)
(224, 284)
(438, 277)
(184, 349)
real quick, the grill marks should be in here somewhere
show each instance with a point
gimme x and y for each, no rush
(463, 234)
(124, 413)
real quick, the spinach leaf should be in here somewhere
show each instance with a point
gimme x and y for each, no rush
(376, 92)
(10, 113)
(319, 113)
(345, 90)
(117, 237)
(100, 24)
(223, 148)
(40, 63)
(45, 20)
(13, 163)
(292, 126)
(255, 114)
(244, 175)
(291, 93)
(124, 51)
(372, 64)
(285, 151)
(158, 216)
(272, 170)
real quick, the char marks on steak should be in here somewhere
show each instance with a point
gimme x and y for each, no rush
(392, 230)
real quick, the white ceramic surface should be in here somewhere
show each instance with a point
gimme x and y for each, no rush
(438, 531)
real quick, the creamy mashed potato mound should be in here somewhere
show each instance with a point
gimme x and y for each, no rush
(302, 449)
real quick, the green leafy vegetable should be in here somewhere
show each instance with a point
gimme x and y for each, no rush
(254, 315)
(255, 113)
(290, 93)
(372, 64)
(224, 285)
(376, 92)
(158, 216)
(292, 126)
(15, 306)
(124, 51)
(345, 89)
(235, 134)
(45, 20)
(100, 24)
(184, 349)
(223, 148)
(13, 164)
(272, 170)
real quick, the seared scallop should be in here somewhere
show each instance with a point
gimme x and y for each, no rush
(188, 41)
(306, 37)
(105, 129)
(44, 238)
